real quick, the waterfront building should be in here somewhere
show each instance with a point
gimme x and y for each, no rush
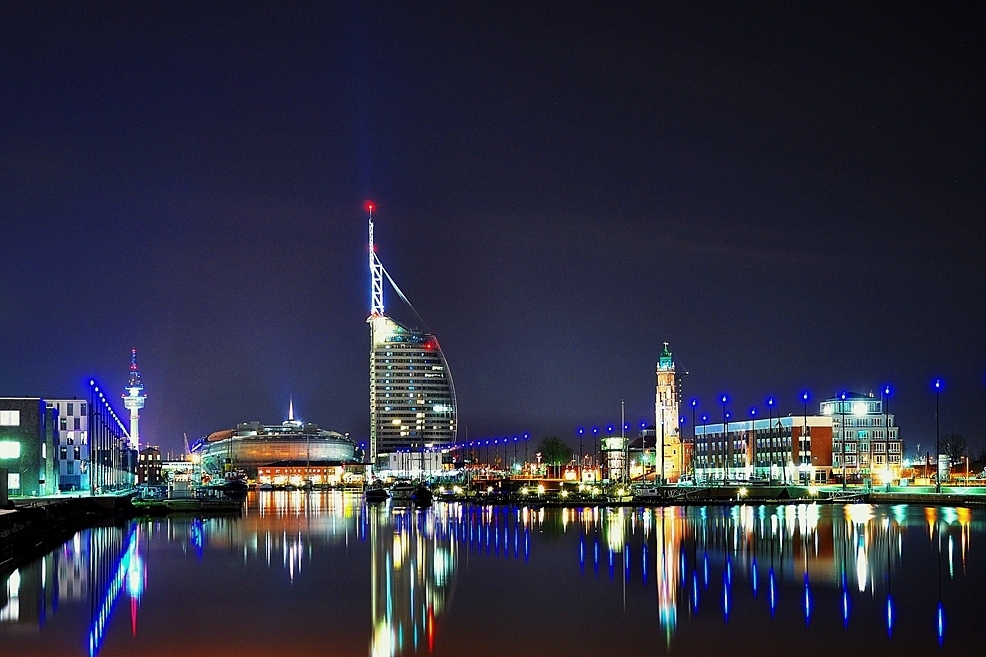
(669, 455)
(793, 449)
(149, 467)
(71, 443)
(865, 436)
(412, 398)
(178, 469)
(252, 445)
(299, 473)
(27, 445)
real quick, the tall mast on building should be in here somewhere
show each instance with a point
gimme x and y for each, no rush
(376, 271)
(133, 398)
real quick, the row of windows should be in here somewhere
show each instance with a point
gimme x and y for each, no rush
(63, 423)
(860, 421)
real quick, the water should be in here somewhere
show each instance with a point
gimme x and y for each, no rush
(322, 574)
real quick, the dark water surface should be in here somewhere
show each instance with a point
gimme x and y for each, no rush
(323, 574)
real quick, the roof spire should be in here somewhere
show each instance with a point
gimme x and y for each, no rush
(290, 409)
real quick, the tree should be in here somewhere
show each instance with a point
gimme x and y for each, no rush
(955, 445)
(554, 451)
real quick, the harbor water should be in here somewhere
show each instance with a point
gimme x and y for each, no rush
(322, 573)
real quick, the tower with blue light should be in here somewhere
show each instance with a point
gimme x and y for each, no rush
(133, 398)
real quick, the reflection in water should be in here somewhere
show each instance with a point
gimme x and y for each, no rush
(95, 568)
(827, 565)
(413, 556)
(855, 551)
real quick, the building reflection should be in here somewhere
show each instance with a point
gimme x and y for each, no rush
(95, 569)
(692, 561)
(413, 556)
(688, 552)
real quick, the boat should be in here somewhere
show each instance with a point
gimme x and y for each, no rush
(402, 490)
(421, 496)
(265, 487)
(375, 494)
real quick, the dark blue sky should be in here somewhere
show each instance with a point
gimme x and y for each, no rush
(792, 196)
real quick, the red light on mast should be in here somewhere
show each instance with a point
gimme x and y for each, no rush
(370, 206)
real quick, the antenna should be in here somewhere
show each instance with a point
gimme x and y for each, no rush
(376, 269)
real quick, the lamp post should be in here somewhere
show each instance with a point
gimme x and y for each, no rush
(609, 432)
(886, 425)
(842, 436)
(681, 448)
(581, 431)
(770, 440)
(705, 437)
(694, 403)
(595, 449)
(805, 442)
(753, 438)
(527, 442)
(937, 436)
(514, 465)
(725, 444)
(643, 450)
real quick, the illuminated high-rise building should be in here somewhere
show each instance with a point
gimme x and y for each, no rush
(412, 399)
(133, 398)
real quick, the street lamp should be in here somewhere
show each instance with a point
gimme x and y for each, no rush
(886, 425)
(938, 386)
(643, 449)
(527, 442)
(842, 437)
(705, 421)
(681, 448)
(694, 403)
(595, 446)
(581, 431)
(609, 431)
(805, 442)
(753, 438)
(770, 439)
(725, 435)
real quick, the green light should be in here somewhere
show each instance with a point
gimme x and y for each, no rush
(10, 449)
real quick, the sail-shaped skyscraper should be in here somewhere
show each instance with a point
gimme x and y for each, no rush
(412, 399)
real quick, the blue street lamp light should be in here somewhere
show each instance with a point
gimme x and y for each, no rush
(804, 444)
(727, 449)
(681, 448)
(581, 432)
(886, 418)
(693, 403)
(595, 446)
(705, 439)
(842, 437)
(938, 386)
(753, 438)
(770, 438)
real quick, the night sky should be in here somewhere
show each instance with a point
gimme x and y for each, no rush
(791, 196)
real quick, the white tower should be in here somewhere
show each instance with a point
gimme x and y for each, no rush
(133, 398)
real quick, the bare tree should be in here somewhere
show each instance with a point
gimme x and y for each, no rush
(955, 446)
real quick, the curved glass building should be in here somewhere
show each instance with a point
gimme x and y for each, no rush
(412, 397)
